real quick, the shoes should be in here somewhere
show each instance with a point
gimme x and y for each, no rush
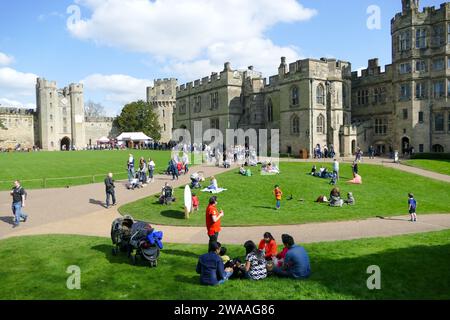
(15, 226)
(25, 219)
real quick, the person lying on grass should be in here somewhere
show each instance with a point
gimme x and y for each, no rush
(296, 263)
(335, 198)
(255, 267)
(210, 267)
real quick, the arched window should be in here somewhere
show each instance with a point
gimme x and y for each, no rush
(269, 111)
(320, 94)
(321, 124)
(295, 96)
(295, 125)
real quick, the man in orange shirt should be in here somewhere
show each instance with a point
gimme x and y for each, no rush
(278, 193)
(213, 217)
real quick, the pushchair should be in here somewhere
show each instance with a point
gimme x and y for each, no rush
(195, 181)
(141, 240)
(121, 234)
(167, 196)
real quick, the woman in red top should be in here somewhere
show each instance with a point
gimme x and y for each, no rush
(213, 217)
(269, 246)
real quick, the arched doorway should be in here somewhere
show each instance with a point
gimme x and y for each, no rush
(405, 145)
(438, 148)
(65, 144)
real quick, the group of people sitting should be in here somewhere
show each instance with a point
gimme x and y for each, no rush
(269, 167)
(261, 261)
(335, 199)
(245, 172)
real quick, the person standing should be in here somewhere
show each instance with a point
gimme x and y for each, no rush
(371, 152)
(355, 168)
(278, 193)
(412, 205)
(185, 160)
(110, 192)
(130, 167)
(151, 169)
(336, 169)
(213, 217)
(19, 195)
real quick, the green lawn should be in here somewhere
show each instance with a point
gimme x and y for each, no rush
(249, 200)
(439, 166)
(50, 165)
(412, 267)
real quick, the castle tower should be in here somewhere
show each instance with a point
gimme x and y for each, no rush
(46, 107)
(162, 96)
(77, 115)
(410, 5)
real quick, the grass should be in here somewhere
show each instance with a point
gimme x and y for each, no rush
(56, 165)
(439, 166)
(249, 200)
(412, 267)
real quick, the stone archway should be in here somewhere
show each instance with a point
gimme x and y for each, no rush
(65, 144)
(405, 145)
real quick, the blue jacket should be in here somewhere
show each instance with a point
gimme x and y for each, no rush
(211, 269)
(156, 237)
(298, 262)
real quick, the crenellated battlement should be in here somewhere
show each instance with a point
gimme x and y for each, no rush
(373, 70)
(160, 82)
(427, 13)
(16, 111)
(42, 83)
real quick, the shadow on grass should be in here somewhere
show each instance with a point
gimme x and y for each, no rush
(182, 253)
(121, 258)
(173, 214)
(265, 207)
(8, 220)
(349, 276)
(195, 280)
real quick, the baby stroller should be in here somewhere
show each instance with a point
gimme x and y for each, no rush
(121, 234)
(146, 243)
(195, 181)
(167, 196)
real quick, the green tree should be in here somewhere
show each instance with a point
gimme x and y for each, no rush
(138, 116)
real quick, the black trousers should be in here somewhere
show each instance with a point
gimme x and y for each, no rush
(213, 238)
(111, 194)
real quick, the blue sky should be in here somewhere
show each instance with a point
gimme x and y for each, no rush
(118, 47)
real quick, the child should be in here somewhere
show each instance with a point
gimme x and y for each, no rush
(412, 203)
(333, 179)
(195, 202)
(278, 193)
(350, 199)
(223, 255)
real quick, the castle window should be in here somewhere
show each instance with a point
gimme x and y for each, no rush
(363, 97)
(269, 111)
(380, 126)
(51, 95)
(439, 122)
(380, 95)
(214, 100)
(164, 113)
(294, 96)
(321, 124)
(438, 35)
(421, 36)
(162, 92)
(320, 94)
(405, 41)
(198, 104)
(421, 90)
(215, 124)
(164, 127)
(421, 117)
(183, 107)
(405, 68)
(295, 125)
(439, 89)
(421, 66)
(51, 117)
(405, 114)
(438, 64)
(52, 144)
(405, 91)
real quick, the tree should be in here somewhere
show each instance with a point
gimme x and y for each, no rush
(92, 109)
(139, 117)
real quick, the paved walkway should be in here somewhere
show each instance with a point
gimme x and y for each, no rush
(79, 210)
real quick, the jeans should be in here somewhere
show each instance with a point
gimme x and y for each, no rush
(113, 195)
(150, 173)
(226, 277)
(130, 174)
(17, 211)
(186, 170)
(278, 204)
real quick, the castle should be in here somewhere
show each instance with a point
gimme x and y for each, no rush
(321, 102)
(311, 102)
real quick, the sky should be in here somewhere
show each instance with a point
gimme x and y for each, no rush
(116, 48)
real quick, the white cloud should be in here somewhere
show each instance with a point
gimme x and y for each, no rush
(193, 35)
(17, 88)
(5, 59)
(116, 90)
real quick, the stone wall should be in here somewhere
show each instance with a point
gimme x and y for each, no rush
(20, 128)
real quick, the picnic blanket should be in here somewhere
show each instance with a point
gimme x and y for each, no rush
(214, 191)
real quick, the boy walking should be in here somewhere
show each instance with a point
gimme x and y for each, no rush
(19, 195)
(412, 203)
(278, 193)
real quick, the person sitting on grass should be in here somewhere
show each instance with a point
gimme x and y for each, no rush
(223, 255)
(255, 267)
(214, 185)
(350, 199)
(296, 263)
(210, 267)
(242, 170)
(335, 198)
(313, 170)
(269, 246)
